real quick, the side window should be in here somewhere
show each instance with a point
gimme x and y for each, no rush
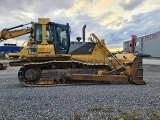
(38, 33)
(49, 33)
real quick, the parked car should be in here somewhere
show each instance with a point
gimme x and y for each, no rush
(143, 55)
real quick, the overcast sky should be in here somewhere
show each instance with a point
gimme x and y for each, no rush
(112, 20)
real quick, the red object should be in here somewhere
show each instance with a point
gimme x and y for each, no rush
(133, 37)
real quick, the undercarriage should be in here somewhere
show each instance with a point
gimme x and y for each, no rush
(75, 72)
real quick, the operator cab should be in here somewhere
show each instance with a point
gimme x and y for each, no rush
(56, 34)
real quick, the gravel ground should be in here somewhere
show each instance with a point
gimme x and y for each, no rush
(105, 101)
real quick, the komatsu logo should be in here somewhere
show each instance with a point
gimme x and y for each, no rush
(43, 52)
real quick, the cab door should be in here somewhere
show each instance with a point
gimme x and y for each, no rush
(61, 39)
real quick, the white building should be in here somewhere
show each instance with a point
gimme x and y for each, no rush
(149, 44)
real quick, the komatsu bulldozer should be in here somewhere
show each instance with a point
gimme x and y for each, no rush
(52, 59)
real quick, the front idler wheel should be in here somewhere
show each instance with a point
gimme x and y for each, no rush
(32, 74)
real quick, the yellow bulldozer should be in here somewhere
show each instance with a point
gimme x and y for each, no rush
(50, 58)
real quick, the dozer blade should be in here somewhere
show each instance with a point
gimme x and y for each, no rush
(97, 78)
(137, 72)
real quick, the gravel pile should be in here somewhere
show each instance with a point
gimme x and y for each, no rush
(103, 101)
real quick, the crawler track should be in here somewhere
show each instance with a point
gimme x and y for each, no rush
(53, 72)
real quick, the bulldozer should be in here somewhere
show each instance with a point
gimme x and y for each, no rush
(51, 58)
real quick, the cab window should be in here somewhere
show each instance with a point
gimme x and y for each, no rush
(49, 33)
(38, 32)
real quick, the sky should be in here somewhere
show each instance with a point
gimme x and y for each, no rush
(112, 20)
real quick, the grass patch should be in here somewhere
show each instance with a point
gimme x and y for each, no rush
(77, 116)
(155, 116)
(101, 113)
(100, 109)
(131, 116)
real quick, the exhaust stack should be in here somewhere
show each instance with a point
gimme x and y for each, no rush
(83, 33)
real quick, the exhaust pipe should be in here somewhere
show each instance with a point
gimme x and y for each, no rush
(83, 33)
